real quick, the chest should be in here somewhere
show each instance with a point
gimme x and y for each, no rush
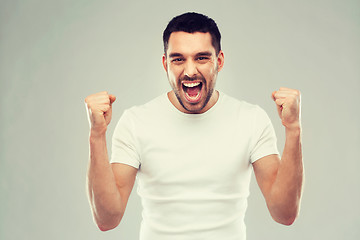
(179, 156)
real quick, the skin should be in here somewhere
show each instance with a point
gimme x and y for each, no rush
(192, 56)
(109, 185)
(280, 180)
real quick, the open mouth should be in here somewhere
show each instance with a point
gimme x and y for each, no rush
(192, 91)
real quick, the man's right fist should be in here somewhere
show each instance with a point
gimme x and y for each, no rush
(99, 110)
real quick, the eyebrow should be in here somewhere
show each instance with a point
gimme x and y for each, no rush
(206, 53)
(172, 55)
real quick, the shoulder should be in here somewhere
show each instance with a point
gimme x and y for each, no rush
(240, 106)
(139, 116)
(151, 108)
(243, 112)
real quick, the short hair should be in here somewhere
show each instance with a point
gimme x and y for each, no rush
(192, 22)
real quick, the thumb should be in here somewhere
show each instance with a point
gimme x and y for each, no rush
(273, 95)
(278, 103)
(108, 113)
(112, 98)
(279, 109)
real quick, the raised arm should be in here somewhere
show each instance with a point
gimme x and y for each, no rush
(281, 181)
(109, 186)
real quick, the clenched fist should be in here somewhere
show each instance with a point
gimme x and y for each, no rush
(99, 111)
(288, 103)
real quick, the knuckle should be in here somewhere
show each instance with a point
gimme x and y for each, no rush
(297, 92)
(88, 98)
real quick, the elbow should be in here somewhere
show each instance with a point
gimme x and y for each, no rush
(286, 219)
(105, 228)
(108, 224)
(285, 214)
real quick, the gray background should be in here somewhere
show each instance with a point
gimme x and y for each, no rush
(54, 53)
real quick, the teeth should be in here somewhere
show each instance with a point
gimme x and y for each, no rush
(191, 84)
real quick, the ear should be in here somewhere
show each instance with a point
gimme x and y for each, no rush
(220, 60)
(164, 62)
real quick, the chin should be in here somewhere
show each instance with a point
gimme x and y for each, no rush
(194, 107)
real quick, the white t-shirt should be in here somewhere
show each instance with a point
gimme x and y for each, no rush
(194, 169)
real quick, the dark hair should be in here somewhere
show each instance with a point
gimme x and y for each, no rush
(192, 22)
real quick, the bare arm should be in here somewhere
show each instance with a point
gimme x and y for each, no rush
(281, 181)
(109, 186)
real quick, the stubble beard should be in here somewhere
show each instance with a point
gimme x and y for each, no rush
(208, 96)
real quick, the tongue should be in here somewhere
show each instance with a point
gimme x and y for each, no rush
(193, 91)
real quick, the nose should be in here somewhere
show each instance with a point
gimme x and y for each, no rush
(190, 69)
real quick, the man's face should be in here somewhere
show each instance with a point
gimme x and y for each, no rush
(192, 66)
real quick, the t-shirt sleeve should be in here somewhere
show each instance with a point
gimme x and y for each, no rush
(264, 141)
(124, 145)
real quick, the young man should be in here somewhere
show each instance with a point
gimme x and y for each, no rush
(193, 148)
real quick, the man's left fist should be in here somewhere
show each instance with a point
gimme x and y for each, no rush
(288, 103)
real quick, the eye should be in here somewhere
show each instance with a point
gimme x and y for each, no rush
(177, 60)
(203, 59)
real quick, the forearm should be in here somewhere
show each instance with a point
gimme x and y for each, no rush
(286, 190)
(104, 197)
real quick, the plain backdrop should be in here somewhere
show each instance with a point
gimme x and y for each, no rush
(53, 53)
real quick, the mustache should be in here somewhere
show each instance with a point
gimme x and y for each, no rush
(196, 77)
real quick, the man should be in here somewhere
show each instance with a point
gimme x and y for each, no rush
(193, 148)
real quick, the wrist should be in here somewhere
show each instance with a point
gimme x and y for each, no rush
(293, 131)
(96, 134)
